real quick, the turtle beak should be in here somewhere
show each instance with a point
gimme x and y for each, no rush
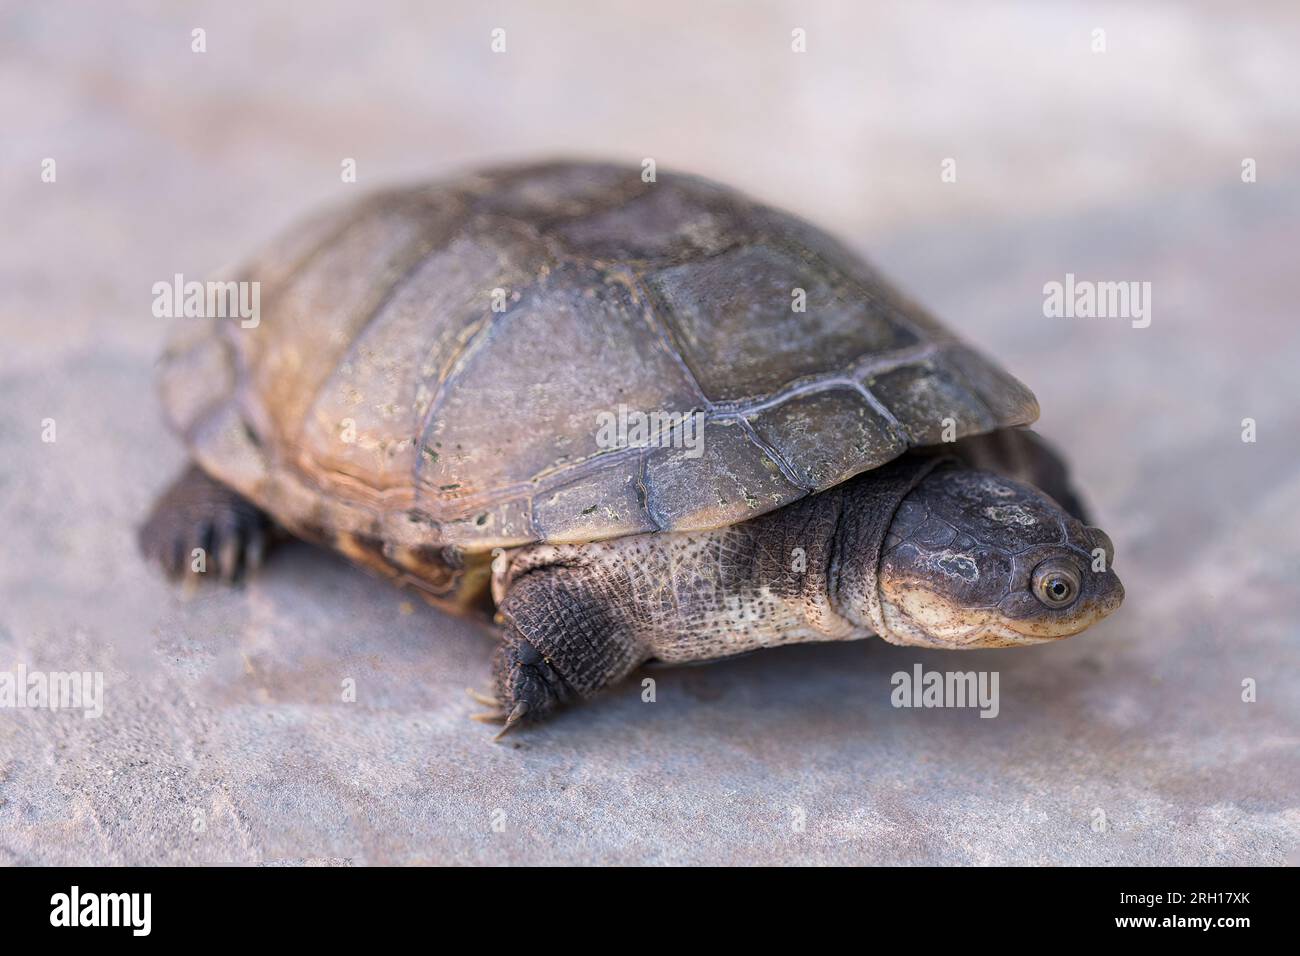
(1108, 595)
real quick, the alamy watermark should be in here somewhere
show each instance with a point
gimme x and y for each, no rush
(130, 910)
(922, 688)
(53, 690)
(629, 428)
(1082, 299)
(214, 299)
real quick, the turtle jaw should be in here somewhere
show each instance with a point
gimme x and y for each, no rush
(1026, 617)
(919, 617)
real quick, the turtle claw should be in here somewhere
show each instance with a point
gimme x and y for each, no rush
(198, 516)
(521, 708)
(254, 549)
(496, 715)
(481, 698)
(228, 555)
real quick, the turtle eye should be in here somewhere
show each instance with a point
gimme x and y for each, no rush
(1056, 583)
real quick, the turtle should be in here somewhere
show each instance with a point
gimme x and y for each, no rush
(622, 417)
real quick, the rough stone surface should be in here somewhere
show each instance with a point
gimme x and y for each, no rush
(225, 737)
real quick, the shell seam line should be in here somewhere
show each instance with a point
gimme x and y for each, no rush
(786, 469)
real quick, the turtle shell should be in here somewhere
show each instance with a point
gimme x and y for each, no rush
(431, 364)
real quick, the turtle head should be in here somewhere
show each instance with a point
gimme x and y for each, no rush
(972, 559)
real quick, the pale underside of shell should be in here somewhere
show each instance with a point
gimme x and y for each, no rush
(433, 365)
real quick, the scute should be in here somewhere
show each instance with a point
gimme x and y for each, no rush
(385, 383)
(525, 401)
(755, 318)
(431, 362)
(826, 435)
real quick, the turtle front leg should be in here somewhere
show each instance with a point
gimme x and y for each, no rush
(199, 526)
(561, 642)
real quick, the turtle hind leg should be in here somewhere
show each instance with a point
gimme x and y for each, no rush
(200, 526)
(562, 641)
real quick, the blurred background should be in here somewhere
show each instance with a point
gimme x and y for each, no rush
(224, 738)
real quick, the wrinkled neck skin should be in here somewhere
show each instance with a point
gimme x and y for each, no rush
(968, 559)
(867, 505)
